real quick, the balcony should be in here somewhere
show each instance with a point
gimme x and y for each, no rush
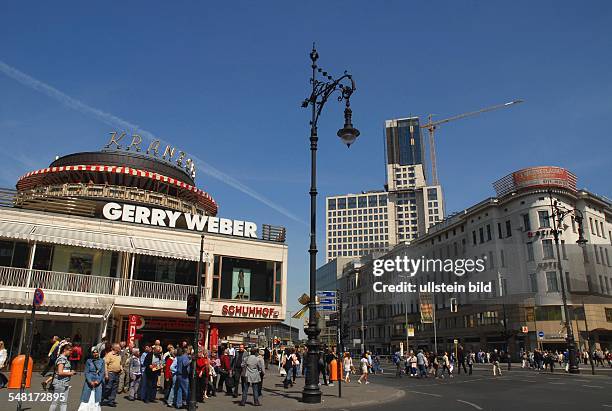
(91, 284)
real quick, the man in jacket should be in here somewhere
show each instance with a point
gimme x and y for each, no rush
(183, 371)
(237, 368)
(253, 368)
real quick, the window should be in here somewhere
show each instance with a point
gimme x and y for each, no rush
(373, 201)
(533, 281)
(352, 202)
(331, 204)
(591, 223)
(530, 256)
(363, 202)
(247, 279)
(502, 258)
(609, 315)
(563, 250)
(526, 222)
(552, 285)
(341, 203)
(488, 232)
(474, 237)
(543, 219)
(547, 249)
(508, 229)
(548, 313)
(568, 284)
(499, 231)
(481, 234)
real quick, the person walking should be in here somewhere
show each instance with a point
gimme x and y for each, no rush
(168, 374)
(134, 372)
(494, 359)
(225, 373)
(52, 355)
(252, 367)
(61, 379)
(461, 360)
(365, 368)
(287, 364)
(421, 364)
(153, 369)
(237, 368)
(201, 376)
(470, 362)
(347, 366)
(91, 396)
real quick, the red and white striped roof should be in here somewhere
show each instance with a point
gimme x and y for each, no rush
(23, 180)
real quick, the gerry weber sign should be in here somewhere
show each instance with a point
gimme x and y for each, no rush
(175, 219)
(154, 148)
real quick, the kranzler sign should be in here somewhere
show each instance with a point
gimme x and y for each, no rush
(175, 219)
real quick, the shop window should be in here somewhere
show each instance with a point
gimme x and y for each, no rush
(165, 270)
(246, 279)
(43, 257)
(548, 313)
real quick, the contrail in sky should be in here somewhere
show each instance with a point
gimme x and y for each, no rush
(115, 121)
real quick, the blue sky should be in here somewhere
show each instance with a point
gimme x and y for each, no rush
(224, 80)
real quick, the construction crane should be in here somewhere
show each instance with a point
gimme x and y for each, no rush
(432, 125)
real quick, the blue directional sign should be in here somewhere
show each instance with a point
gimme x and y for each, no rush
(541, 334)
(327, 301)
(326, 293)
(327, 308)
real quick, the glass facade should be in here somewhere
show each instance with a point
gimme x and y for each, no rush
(405, 143)
(165, 270)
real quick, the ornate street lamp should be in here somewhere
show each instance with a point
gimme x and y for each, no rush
(321, 91)
(558, 213)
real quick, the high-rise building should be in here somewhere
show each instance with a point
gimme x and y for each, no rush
(359, 224)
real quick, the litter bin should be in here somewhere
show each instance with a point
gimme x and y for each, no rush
(17, 371)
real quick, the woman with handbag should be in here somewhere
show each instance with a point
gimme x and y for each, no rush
(92, 388)
(61, 379)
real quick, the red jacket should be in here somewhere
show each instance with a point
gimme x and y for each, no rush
(225, 362)
(167, 372)
(202, 366)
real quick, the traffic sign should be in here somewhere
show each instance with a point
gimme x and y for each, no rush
(455, 341)
(524, 329)
(410, 332)
(541, 334)
(327, 308)
(326, 293)
(39, 297)
(327, 301)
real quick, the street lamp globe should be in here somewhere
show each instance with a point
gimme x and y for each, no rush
(348, 134)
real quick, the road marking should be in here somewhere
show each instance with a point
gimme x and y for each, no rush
(581, 380)
(557, 383)
(592, 386)
(606, 405)
(471, 403)
(426, 393)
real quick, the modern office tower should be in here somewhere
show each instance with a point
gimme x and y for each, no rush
(359, 224)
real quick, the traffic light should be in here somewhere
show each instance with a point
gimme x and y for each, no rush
(192, 300)
(453, 305)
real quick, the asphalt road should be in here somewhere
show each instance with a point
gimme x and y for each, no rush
(523, 390)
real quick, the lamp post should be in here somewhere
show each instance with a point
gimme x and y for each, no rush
(192, 404)
(322, 89)
(558, 213)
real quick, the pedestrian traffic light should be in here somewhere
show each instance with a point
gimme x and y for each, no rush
(191, 304)
(453, 305)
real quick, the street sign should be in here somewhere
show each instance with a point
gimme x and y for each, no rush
(326, 294)
(410, 332)
(327, 308)
(540, 334)
(327, 301)
(455, 341)
(39, 297)
(356, 341)
(524, 329)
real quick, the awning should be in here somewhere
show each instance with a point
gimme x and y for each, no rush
(170, 249)
(65, 302)
(99, 240)
(18, 231)
(80, 238)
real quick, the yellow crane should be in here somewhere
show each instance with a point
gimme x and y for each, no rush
(432, 125)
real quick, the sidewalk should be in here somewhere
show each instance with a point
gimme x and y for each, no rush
(275, 397)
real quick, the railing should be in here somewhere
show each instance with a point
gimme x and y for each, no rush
(92, 284)
(273, 233)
